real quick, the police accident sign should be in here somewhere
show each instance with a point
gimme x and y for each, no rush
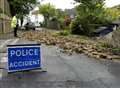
(24, 57)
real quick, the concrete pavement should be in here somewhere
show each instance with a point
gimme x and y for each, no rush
(63, 71)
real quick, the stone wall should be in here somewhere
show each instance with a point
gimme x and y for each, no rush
(115, 41)
(1, 26)
(4, 5)
(112, 38)
(5, 17)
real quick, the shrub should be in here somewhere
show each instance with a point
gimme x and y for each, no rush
(81, 26)
(106, 45)
(90, 15)
(87, 25)
(64, 32)
(116, 51)
(1, 11)
(75, 27)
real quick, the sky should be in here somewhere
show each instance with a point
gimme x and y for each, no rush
(67, 4)
(63, 4)
(111, 3)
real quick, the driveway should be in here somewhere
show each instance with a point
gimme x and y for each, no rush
(63, 71)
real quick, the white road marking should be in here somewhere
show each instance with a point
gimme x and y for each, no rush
(14, 42)
(0, 75)
(4, 43)
(3, 60)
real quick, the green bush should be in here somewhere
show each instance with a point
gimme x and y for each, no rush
(87, 25)
(1, 11)
(75, 27)
(61, 22)
(64, 32)
(106, 45)
(116, 51)
(91, 14)
(82, 27)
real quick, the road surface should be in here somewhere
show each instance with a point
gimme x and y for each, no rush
(63, 71)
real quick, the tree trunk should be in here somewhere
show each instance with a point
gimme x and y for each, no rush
(46, 21)
(21, 19)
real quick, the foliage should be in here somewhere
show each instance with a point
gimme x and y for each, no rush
(64, 33)
(90, 15)
(75, 26)
(106, 45)
(21, 7)
(48, 11)
(116, 51)
(60, 15)
(113, 13)
(1, 10)
(116, 7)
(63, 19)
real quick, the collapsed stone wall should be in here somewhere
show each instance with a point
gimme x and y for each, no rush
(115, 41)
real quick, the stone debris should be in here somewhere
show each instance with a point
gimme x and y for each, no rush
(70, 44)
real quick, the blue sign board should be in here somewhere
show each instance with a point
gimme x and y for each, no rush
(24, 57)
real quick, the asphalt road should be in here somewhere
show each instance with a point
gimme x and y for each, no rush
(63, 71)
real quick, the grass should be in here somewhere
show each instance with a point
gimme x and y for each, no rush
(64, 33)
(116, 51)
(106, 45)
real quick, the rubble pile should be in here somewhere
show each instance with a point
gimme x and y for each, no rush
(70, 44)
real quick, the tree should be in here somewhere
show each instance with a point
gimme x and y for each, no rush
(60, 16)
(21, 7)
(113, 13)
(1, 10)
(90, 15)
(47, 10)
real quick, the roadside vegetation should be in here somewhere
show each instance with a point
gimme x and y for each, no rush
(90, 15)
